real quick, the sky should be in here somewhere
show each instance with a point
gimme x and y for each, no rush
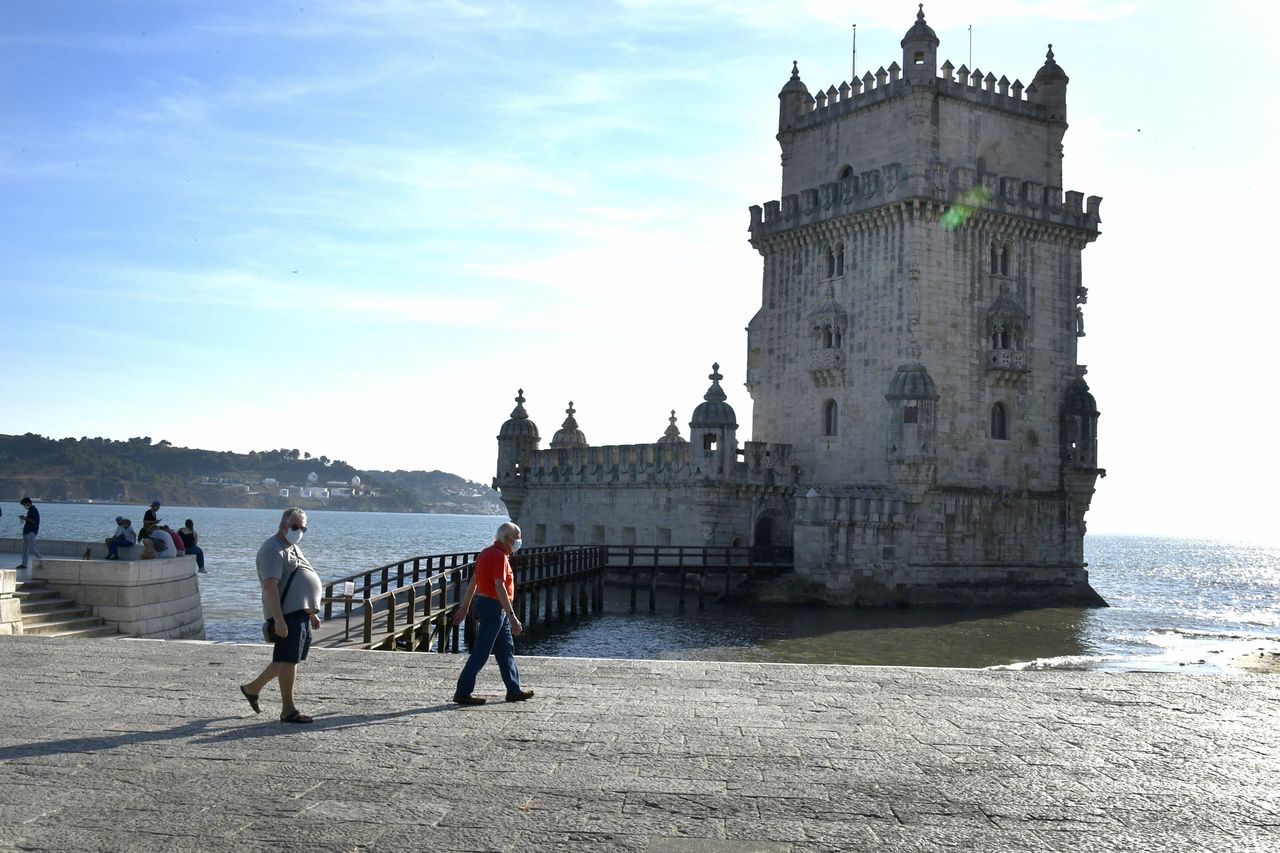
(356, 227)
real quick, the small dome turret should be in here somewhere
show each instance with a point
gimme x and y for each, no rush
(672, 434)
(794, 101)
(714, 411)
(569, 435)
(1049, 88)
(920, 51)
(519, 425)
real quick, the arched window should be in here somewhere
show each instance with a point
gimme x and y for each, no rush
(830, 417)
(1001, 256)
(831, 262)
(826, 337)
(999, 423)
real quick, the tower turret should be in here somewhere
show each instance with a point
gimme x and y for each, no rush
(568, 435)
(1049, 88)
(794, 101)
(920, 52)
(517, 440)
(714, 428)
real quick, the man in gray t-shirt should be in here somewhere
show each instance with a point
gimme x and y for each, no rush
(291, 598)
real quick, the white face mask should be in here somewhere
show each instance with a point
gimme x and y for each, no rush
(293, 536)
(515, 546)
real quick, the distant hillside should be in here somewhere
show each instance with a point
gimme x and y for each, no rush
(138, 471)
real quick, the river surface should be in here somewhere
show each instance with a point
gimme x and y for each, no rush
(1184, 605)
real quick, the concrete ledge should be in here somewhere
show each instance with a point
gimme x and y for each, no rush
(156, 599)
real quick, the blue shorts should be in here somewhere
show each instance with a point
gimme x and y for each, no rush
(293, 648)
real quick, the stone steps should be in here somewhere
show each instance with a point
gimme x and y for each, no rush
(48, 614)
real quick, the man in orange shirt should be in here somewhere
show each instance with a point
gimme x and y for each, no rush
(493, 587)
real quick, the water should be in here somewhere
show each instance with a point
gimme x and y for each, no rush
(1177, 604)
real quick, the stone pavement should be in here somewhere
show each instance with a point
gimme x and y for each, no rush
(147, 745)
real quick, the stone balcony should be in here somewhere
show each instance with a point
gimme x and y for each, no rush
(826, 366)
(1008, 365)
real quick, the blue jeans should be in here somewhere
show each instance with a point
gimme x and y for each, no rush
(199, 555)
(29, 548)
(113, 547)
(493, 636)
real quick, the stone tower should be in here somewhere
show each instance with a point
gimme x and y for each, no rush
(922, 431)
(916, 340)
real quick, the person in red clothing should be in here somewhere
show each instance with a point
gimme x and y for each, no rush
(492, 588)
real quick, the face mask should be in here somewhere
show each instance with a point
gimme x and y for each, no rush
(293, 536)
(515, 546)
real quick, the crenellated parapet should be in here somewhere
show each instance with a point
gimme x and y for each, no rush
(759, 463)
(945, 183)
(972, 86)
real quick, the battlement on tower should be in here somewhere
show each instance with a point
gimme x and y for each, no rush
(886, 84)
(760, 463)
(944, 183)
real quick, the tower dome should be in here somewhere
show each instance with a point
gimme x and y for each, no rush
(519, 425)
(313, 477)
(714, 411)
(355, 482)
(569, 435)
(920, 31)
(912, 382)
(672, 434)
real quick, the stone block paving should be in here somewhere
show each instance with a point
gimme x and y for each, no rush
(147, 745)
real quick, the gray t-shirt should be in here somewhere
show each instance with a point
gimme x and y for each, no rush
(277, 560)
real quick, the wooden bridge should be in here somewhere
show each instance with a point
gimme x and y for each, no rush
(410, 604)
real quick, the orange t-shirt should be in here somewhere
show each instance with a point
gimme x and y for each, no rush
(492, 566)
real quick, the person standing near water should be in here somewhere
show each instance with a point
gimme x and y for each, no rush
(30, 527)
(291, 593)
(493, 587)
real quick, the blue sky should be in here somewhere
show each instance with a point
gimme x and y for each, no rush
(355, 228)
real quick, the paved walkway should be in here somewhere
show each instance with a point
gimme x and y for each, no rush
(146, 745)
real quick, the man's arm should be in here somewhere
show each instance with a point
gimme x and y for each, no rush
(516, 627)
(271, 590)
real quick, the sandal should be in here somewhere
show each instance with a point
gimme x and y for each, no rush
(253, 699)
(295, 716)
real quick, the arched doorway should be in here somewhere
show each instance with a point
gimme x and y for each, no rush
(763, 537)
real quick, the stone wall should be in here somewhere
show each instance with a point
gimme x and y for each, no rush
(10, 611)
(154, 599)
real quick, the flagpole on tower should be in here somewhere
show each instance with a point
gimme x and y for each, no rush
(855, 53)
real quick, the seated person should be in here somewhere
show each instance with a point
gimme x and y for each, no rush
(124, 535)
(190, 538)
(161, 542)
(179, 547)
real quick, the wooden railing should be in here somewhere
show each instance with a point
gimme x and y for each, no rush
(732, 561)
(410, 604)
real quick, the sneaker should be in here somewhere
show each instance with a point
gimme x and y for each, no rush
(467, 700)
(520, 696)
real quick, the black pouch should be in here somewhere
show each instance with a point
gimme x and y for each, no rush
(269, 631)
